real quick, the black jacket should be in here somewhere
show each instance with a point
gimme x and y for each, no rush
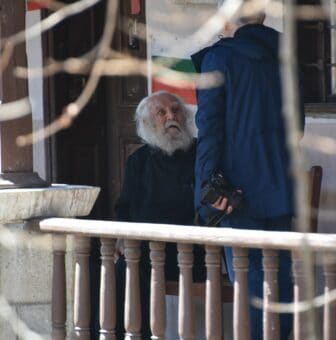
(158, 188)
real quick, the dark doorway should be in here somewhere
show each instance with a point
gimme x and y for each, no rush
(93, 150)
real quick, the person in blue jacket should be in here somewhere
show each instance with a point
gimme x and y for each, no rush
(241, 133)
(158, 187)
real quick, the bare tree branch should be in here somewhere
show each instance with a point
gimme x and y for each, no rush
(302, 306)
(73, 109)
(44, 25)
(17, 325)
(291, 115)
(16, 109)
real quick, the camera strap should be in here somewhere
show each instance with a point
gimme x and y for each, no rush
(215, 219)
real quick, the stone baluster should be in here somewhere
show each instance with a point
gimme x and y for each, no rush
(132, 291)
(186, 323)
(300, 318)
(82, 304)
(107, 309)
(329, 324)
(58, 312)
(270, 320)
(241, 307)
(158, 290)
(213, 294)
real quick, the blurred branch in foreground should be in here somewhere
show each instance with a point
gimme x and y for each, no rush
(18, 326)
(51, 21)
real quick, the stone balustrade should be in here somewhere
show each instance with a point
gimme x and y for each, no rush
(26, 261)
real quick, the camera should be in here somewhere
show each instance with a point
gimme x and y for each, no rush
(218, 186)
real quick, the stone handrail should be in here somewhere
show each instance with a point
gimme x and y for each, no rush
(214, 239)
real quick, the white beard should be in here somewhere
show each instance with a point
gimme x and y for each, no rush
(166, 140)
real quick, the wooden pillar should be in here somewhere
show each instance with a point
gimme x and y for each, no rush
(329, 324)
(132, 292)
(158, 290)
(241, 306)
(270, 287)
(213, 294)
(82, 304)
(186, 322)
(16, 163)
(107, 305)
(58, 309)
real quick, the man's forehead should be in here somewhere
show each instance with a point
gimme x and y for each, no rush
(163, 100)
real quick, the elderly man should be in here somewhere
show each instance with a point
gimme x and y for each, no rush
(158, 186)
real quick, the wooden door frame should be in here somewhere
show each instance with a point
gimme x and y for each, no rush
(128, 91)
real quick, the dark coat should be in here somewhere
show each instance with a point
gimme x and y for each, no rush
(241, 128)
(158, 188)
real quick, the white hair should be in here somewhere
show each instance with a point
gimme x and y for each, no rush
(150, 135)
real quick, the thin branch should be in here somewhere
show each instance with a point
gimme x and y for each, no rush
(322, 144)
(127, 65)
(15, 109)
(301, 306)
(14, 239)
(291, 116)
(72, 110)
(46, 24)
(18, 326)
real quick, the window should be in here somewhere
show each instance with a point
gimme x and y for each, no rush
(316, 41)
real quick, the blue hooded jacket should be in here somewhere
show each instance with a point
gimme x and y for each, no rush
(240, 125)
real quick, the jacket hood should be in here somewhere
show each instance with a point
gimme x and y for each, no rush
(254, 41)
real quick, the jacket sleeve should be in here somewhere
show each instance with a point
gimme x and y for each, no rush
(123, 204)
(210, 120)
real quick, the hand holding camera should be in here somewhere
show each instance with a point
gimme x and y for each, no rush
(220, 194)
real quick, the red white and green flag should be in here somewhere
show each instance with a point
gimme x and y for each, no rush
(184, 89)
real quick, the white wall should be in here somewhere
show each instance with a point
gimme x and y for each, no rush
(35, 88)
(319, 145)
(172, 28)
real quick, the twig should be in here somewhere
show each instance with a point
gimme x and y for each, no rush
(72, 110)
(301, 306)
(46, 24)
(17, 325)
(291, 115)
(16, 109)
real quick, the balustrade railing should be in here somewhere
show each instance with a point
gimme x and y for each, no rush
(213, 239)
